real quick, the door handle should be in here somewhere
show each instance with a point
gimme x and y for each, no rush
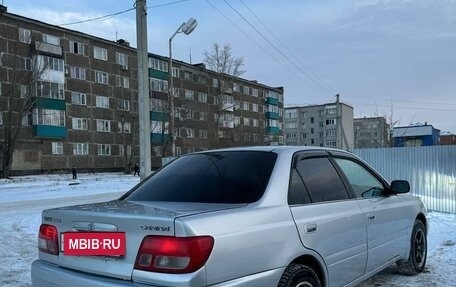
(370, 216)
(310, 228)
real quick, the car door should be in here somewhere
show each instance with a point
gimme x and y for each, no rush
(386, 225)
(328, 221)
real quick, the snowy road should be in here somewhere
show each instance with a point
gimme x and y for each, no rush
(22, 201)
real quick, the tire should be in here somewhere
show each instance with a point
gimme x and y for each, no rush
(418, 251)
(297, 275)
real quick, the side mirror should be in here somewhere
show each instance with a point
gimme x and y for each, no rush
(400, 186)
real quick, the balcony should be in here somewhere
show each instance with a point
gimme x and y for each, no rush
(48, 103)
(159, 116)
(48, 48)
(45, 131)
(272, 130)
(272, 101)
(158, 74)
(159, 138)
(272, 115)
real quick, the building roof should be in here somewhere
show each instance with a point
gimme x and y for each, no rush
(411, 131)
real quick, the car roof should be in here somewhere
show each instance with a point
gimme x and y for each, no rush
(278, 149)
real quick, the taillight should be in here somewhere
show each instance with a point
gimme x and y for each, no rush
(48, 239)
(167, 254)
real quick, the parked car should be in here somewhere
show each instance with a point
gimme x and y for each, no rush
(259, 216)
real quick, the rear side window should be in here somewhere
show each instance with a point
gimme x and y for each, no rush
(215, 177)
(321, 180)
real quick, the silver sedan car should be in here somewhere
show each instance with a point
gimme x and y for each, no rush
(260, 216)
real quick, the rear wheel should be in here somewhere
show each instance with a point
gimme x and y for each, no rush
(297, 275)
(418, 251)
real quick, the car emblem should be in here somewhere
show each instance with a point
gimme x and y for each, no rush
(91, 226)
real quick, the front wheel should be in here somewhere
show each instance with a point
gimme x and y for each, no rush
(297, 275)
(418, 251)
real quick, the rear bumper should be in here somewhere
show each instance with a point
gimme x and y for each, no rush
(50, 275)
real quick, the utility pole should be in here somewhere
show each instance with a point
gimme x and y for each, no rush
(143, 89)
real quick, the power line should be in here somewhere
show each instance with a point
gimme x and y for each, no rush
(288, 49)
(251, 39)
(109, 16)
(275, 47)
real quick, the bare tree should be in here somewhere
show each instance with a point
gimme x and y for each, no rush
(19, 96)
(221, 60)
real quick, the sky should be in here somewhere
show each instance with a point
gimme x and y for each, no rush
(392, 58)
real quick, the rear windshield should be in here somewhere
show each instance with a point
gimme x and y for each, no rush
(214, 177)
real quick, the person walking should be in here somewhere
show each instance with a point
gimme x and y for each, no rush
(75, 175)
(136, 169)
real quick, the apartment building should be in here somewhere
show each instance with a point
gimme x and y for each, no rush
(326, 125)
(372, 132)
(84, 107)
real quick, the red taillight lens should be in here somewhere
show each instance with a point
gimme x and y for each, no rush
(48, 239)
(167, 254)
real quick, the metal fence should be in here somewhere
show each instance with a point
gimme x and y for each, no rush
(431, 171)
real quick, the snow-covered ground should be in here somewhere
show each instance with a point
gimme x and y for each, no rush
(23, 198)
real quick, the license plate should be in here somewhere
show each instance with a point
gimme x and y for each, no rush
(93, 243)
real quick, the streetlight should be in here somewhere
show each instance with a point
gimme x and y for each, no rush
(186, 28)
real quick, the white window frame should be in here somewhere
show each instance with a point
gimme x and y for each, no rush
(126, 127)
(57, 148)
(100, 53)
(104, 149)
(189, 94)
(246, 106)
(101, 77)
(158, 85)
(122, 59)
(25, 36)
(51, 39)
(254, 92)
(78, 98)
(202, 97)
(80, 48)
(158, 65)
(255, 107)
(123, 105)
(175, 72)
(102, 102)
(203, 116)
(80, 124)
(48, 117)
(80, 149)
(104, 126)
(190, 133)
(78, 73)
(203, 134)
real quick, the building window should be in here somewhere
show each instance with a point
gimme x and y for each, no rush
(330, 133)
(236, 87)
(272, 108)
(203, 116)
(330, 122)
(255, 92)
(100, 53)
(57, 148)
(48, 117)
(202, 97)
(78, 73)
(214, 83)
(330, 110)
(291, 114)
(78, 98)
(246, 121)
(158, 85)
(203, 134)
(102, 102)
(188, 76)
(79, 124)
(312, 130)
(81, 149)
(175, 72)
(160, 127)
(312, 120)
(122, 59)
(50, 63)
(246, 90)
(53, 40)
(188, 95)
(122, 150)
(255, 122)
(291, 136)
(104, 126)
(1, 118)
(123, 105)
(158, 65)
(77, 48)
(25, 36)
(101, 77)
(246, 106)
(124, 128)
(190, 133)
(104, 149)
(122, 82)
(25, 63)
(237, 121)
(312, 141)
(255, 107)
(178, 150)
(330, 143)
(23, 91)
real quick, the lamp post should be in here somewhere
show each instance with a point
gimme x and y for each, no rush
(186, 28)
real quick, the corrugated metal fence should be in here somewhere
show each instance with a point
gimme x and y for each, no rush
(431, 171)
